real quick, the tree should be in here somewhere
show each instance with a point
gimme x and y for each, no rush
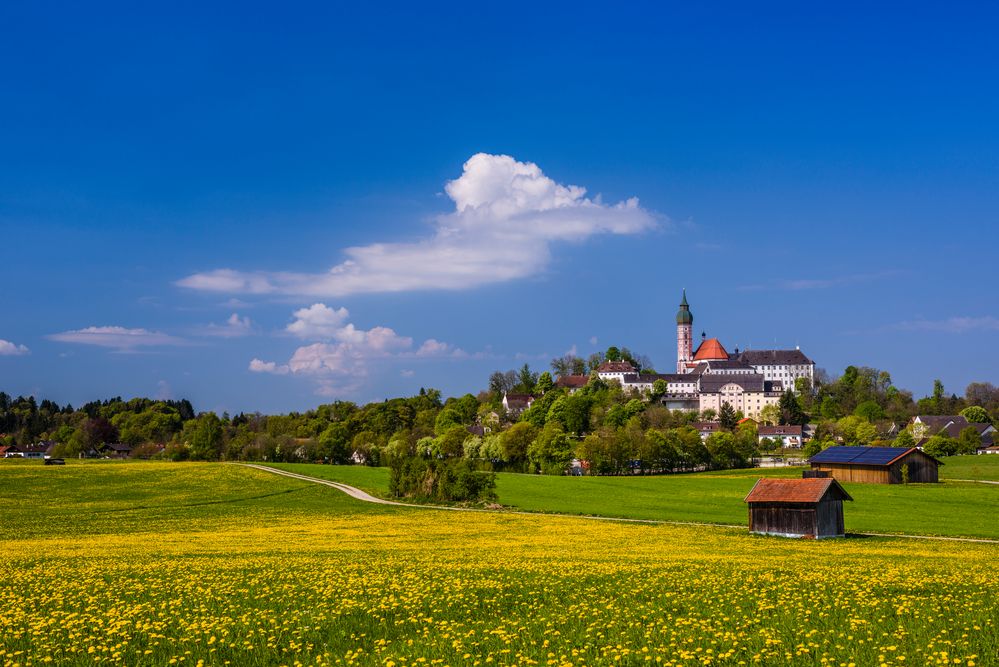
(451, 443)
(526, 380)
(940, 445)
(659, 389)
(205, 438)
(905, 439)
(724, 452)
(568, 364)
(870, 410)
(447, 419)
(727, 416)
(334, 443)
(551, 451)
(984, 394)
(866, 433)
(976, 415)
(501, 383)
(516, 441)
(97, 431)
(544, 383)
(790, 409)
(612, 354)
(593, 362)
(969, 440)
(770, 414)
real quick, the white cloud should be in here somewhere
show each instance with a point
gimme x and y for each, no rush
(593, 340)
(951, 324)
(258, 366)
(8, 349)
(433, 348)
(340, 354)
(317, 321)
(119, 338)
(234, 327)
(506, 216)
(407, 373)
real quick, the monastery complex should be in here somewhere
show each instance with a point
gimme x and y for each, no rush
(710, 376)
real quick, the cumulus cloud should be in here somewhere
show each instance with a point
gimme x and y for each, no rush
(234, 327)
(317, 321)
(339, 354)
(259, 366)
(9, 349)
(434, 348)
(118, 338)
(507, 214)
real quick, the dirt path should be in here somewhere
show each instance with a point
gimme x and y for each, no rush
(354, 492)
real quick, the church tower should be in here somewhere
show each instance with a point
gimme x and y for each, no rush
(684, 337)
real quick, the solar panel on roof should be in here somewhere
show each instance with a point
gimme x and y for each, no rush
(882, 454)
(837, 454)
(860, 455)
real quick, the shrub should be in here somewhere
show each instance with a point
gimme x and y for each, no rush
(440, 480)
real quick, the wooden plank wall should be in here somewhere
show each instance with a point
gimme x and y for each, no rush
(782, 519)
(863, 474)
(921, 469)
(830, 519)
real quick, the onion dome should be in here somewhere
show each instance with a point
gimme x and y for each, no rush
(684, 316)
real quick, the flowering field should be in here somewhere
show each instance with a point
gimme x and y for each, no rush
(179, 564)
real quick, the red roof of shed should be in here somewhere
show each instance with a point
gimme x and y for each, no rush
(810, 490)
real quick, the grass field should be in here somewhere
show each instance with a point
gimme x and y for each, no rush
(946, 509)
(985, 466)
(187, 564)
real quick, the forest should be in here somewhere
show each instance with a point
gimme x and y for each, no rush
(612, 431)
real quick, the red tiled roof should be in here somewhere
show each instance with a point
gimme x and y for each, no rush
(572, 381)
(710, 349)
(615, 367)
(795, 490)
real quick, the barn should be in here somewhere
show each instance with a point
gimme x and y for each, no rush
(876, 465)
(797, 507)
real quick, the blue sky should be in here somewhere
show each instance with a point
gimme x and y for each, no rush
(176, 184)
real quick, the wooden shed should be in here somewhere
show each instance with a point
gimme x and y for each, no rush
(876, 465)
(797, 508)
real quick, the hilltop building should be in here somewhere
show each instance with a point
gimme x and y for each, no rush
(710, 376)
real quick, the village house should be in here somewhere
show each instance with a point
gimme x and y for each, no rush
(572, 383)
(789, 436)
(115, 450)
(515, 404)
(705, 429)
(37, 450)
(923, 427)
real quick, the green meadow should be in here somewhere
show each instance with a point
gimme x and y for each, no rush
(955, 509)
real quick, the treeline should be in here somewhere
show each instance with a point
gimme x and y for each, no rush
(612, 431)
